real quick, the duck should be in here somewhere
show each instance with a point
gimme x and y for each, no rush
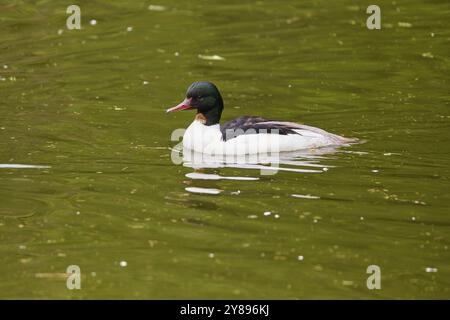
(245, 134)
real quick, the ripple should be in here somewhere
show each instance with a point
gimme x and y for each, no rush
(305, 196)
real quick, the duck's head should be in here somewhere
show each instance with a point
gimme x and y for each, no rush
(206, 98)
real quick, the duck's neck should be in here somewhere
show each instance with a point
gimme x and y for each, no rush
(211, 116)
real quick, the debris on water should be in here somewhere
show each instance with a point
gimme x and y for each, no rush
(347, 283)
(93, 22)
(60, 31)
(292, 20)
(203, 190)
(211, 255)
(176, 54)
(353, 8)
(152, 243)
(55, 275)
(235, 193)
(276, 216)
(116, 108)
(404, 24)
(279, 256)
(129, 29)
(214, 57)
(375, 171)
(154, 7)
(252, 216)
(123, 263)
(430, 269)
(413, 218)
(5, 66)
(361, 218)
(300, 258)
(267, 213)
(144, 82)
(325, 169)
(427, 55)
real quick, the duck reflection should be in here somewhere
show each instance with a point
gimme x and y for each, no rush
(304, 161)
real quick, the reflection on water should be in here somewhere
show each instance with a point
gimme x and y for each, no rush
(203, 190)
(21, 166)
(209, 176)
(267, 164)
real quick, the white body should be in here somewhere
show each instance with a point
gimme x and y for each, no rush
(208, 139)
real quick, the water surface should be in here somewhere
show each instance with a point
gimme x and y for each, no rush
(86, 176)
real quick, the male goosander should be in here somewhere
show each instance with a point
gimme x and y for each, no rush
(246, 134)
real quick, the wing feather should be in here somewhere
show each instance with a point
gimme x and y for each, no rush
(252, 125)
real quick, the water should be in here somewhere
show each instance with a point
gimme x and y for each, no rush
(86, 176)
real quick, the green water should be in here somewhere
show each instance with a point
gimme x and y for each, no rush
(89, 104)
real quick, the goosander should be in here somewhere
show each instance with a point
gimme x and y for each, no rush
(246, 134)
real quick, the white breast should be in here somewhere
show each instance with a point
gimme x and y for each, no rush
(199, 137)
